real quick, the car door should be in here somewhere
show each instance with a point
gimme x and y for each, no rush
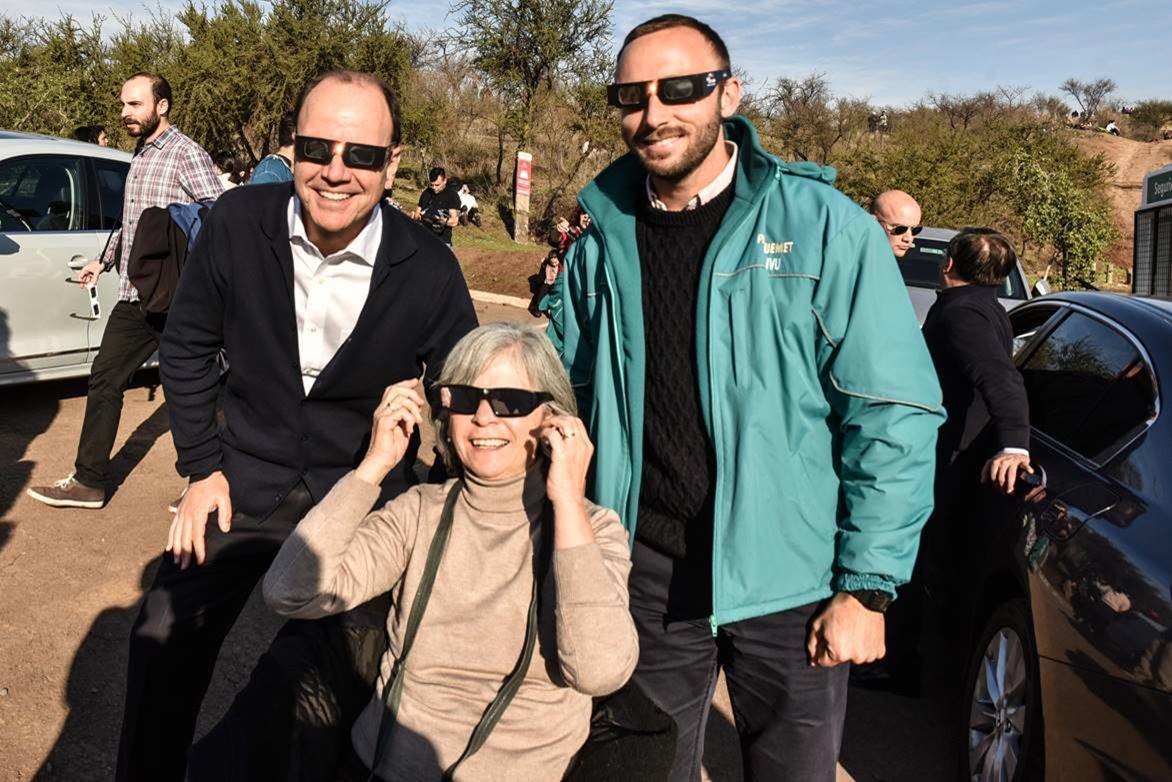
(44, 239)
(1092, 398)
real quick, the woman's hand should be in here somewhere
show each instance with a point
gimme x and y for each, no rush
(395, 418)
(570, 452)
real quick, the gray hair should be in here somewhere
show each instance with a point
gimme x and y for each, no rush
(534, 353)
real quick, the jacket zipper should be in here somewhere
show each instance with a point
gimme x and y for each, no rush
(712, 405)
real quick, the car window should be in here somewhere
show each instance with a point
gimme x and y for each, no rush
(1088, 387)
(1027, 322)
(111, 176)
(920, 268)
(41, 194)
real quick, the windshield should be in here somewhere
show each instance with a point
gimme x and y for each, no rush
(921, 269)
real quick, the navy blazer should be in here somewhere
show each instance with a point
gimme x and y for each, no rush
(236, 294)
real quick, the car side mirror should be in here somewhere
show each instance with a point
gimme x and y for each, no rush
(1041, 288)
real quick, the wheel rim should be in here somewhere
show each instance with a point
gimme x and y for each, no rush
(998, 714)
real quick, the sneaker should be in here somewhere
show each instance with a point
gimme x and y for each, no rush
(69, 493)
(174, 506)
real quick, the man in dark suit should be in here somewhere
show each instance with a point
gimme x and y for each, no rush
(971, 342)
(321, 298)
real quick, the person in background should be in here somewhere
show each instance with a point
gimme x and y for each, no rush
(899, 215)
(469, 206)
(762, 403)
(439, 206)
(985, 438)
(971, 341)
(168, 167)
(516, 531)
(93, 134)
(278, 167)
(227, 170)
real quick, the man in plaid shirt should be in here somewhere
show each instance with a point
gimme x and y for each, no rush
(168, 167)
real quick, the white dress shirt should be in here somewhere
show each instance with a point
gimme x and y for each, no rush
(328, 291)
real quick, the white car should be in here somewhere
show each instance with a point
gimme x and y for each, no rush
(59, 202)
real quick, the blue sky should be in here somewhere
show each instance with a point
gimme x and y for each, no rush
(892, 51)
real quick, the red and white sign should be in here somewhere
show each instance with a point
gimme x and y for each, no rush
(524, 174)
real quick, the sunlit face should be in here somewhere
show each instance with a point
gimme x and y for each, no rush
(905, 212)
(140, 113)
(438, 184)
(103, 139)
(493, 448)
(337, 200)
(673, 141)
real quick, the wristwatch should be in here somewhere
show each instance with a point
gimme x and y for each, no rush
(873, 599)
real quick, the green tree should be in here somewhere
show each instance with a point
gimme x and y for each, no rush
(530, 47)
(1088, 94)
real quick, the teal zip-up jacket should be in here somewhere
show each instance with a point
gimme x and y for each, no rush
(819, 396)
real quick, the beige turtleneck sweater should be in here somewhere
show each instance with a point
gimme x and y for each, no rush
(471, 635)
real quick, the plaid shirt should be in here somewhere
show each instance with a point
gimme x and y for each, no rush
(171, 169)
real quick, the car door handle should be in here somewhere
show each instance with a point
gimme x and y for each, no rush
(78, 262)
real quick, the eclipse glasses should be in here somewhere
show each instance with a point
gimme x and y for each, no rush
(322, 151)
(672, 90)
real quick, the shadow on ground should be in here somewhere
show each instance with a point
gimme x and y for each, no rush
(25, 413)
(87, 747)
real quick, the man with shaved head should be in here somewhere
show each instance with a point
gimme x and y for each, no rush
(321, 297)
(899, 215)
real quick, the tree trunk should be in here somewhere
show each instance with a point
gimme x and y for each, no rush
(500, 152)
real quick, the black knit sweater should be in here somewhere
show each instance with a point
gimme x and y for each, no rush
(675, 499)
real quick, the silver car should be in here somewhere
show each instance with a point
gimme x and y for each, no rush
(921, 273)
(59, 202)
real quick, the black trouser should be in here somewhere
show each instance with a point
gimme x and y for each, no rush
(130, 337)
(789, 716)
(183, 621)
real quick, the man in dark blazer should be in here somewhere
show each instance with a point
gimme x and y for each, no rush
(971, 342)
(321, 298)
(987, 433)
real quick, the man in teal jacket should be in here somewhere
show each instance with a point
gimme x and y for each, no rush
(763, 407)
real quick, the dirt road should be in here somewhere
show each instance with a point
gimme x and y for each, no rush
(70, 583)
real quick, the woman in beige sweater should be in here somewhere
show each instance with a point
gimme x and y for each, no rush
(519, 520)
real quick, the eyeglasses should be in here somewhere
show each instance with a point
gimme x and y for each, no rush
(900, 230)
(504, 402)
(322, 151)
(672, 90)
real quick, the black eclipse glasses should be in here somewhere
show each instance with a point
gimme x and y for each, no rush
(900, 230)
(322, 151)
(504, 402)
(672, 90)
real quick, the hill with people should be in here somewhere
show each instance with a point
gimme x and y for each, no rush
(1131, 160)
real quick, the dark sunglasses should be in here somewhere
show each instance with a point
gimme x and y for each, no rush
(505, 402)
(322, 151)
(900, 230)
(672, 90)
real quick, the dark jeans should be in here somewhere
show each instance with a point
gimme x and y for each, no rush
(130, 337)
(183, 621)
(788, 715)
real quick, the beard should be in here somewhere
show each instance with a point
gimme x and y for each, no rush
(696, 151)
(146, 126)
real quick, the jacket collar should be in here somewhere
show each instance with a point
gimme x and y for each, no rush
(619, 188)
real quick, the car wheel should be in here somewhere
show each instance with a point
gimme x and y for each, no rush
(1003, 716)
